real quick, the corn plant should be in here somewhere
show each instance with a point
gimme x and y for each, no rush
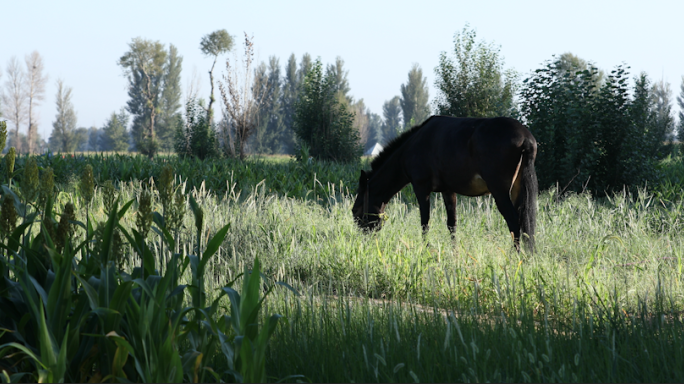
(70, 313)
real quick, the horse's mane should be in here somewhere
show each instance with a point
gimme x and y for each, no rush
(395, 144)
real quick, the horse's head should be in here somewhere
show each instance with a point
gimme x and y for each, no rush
(367, 212)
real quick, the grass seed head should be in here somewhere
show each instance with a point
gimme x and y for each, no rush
(108, 195)
(8, 216)
(176, 212)
(30, 181)
(144, 216)
(87, 184)
(9, 162)
(165, 185)
(65, 228)
(47, 186)
(3, 134)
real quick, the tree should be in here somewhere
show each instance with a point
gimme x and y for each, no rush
(170, 104)
(144, 65)
(241, 104)
(114, 135)
(680, 123)
(361, 119)
(305, 66)
(414, 97)
(322, 121)
(338, 74)
(592, 134)
(291, 87)
(474, 83)
(572, 65)
(375, 134)
(81, 136)
(664, 124)
(14, 99)
(94, 140)
(269, 132)
(35, 91)
(63, 137)
(391, 112)
(214, 44)
(197, 137)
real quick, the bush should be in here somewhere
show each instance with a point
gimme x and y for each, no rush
(323, 121)
(592, 134)
(197, 137)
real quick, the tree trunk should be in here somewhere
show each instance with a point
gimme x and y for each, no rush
(150, 134)
(210, 111)
(30, 132)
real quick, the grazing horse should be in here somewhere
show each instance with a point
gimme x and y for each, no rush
(465, 156)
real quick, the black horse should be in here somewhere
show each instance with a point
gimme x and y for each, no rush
(465, 156)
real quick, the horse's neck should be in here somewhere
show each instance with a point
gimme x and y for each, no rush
(387, 180)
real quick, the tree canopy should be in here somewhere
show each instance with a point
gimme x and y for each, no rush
(473, 83)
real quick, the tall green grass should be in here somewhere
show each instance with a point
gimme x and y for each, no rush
(601, 299)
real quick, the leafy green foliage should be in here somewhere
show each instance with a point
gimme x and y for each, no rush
(270, 131)
(323, 121)
(474, 83)
(680, 103)
(154, 89)
(114, 133)
(600, 296)
(197, 137)
(214, 44)
(592, 135)
(414, 98)
(392, 121)
(69, 314)
(63, 136)
(170, 105)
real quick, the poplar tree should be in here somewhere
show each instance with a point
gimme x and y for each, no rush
(473, 82)
(322, 121)
(144, 65)
(154, 89)
(414, 97)
(213, 45)
(63, 136)
(270, 125)
(35, 92)
(291, 87)
(392, 124)
(338, 76)
(14, 99)
(114, 135)
(170, 105)
(664, 128)
(680, 123)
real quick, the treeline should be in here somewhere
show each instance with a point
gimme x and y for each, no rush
(595, 130)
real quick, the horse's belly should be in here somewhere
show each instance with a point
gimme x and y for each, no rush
(476, 187)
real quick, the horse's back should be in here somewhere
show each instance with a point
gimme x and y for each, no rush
(455, 153)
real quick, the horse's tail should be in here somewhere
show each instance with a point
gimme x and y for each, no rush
(527, 200)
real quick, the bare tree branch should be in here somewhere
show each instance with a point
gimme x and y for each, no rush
(241, 101)
(35, 91)
(14, 99)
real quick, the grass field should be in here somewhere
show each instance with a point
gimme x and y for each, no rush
(600, 300)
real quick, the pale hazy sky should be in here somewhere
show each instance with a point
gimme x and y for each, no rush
(81, 41)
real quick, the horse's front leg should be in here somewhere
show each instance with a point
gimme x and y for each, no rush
(450, 204)
(423, 197)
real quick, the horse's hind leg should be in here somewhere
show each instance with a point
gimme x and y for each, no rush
(508, 211)
(450, 205)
